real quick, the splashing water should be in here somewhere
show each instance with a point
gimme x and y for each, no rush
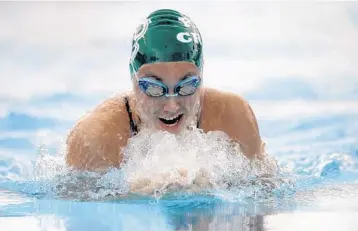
(170, 179)
(159, 163)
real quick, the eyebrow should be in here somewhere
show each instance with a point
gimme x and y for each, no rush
(188, 74)
(156, 77)
(150, 74)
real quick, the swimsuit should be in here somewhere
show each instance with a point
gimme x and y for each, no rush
(133, 126)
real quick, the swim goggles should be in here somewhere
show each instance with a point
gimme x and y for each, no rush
(155, 88)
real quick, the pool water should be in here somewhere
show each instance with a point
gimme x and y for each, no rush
(314, 188)
(293, 62)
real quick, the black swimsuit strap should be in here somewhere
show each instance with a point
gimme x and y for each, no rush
(132, 124)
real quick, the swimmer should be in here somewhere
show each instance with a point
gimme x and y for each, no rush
(166, 68)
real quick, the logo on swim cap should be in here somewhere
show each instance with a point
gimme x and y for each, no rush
(186, 37)
(138, 35)
(141, 30)
(166, 36)
(186, 21)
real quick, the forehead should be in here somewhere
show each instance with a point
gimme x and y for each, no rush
(168, 69)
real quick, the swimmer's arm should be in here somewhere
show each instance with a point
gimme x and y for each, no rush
(257, 144)
(90, 147)
(246, 130)
(97, 140)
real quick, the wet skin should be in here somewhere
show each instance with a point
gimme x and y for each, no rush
(96, 141)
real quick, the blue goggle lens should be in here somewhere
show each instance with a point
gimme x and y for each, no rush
(155, 88)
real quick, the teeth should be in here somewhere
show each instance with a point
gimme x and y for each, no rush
(170, 118)
(167, 120)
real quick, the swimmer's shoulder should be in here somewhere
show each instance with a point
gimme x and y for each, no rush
(221, 95)
(97, 138)
(225, 104)
(232, 114)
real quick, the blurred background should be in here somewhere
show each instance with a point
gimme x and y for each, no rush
(295, 62)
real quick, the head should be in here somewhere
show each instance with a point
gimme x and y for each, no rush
(166, 68)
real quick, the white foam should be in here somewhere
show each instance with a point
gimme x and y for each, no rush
(159, 162)
(194, 161)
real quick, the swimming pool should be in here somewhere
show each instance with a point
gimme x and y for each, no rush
(296, 64)
(320, 191)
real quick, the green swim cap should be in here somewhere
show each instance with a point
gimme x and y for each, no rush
(166, 36)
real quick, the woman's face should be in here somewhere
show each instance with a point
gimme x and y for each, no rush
(173, 113)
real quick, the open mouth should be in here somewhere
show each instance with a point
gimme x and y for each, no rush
(171, 121)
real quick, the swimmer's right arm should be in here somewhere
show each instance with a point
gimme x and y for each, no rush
(90, 146)
(95, 143)
(84, 152)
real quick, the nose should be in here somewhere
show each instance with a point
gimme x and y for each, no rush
(171, 105)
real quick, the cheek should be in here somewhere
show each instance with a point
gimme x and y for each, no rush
(148, 106)
(191, 102)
